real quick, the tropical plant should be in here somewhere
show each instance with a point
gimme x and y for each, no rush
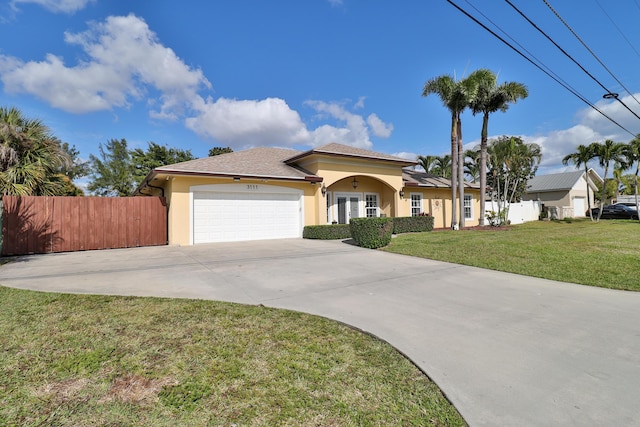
(144, 161)
(512, 163)
(32, 160)
(472, 164)
(456, 96)
(489, 98)
(632, 153)
(428, 163)
(216, 151)
(112, 172)
(581, 157)
(607, 152)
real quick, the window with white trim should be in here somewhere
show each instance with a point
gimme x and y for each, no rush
(468, 206)
(416, 204)
(371, 205)
(329, 207)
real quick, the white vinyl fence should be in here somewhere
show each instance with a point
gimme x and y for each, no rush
(518, 213)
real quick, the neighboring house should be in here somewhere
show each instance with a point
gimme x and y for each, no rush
(270, 193)
(564, 194)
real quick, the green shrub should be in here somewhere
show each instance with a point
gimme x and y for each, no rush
(412, 224)
(371, 233)
(327, 232)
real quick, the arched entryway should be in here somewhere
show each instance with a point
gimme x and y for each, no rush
(359, 196)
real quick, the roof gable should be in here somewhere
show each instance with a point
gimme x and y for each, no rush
(553, 182)
(340, 150)
(265, 162)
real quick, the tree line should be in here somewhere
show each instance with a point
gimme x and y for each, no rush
(34, 162)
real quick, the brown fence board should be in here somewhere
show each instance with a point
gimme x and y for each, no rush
(39, 224)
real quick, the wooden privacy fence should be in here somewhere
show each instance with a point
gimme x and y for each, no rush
(41, 224)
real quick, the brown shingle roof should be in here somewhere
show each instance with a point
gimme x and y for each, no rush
(335, 149)
(413, 178)
(264, 162)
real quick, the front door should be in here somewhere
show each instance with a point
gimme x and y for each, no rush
(348, 207)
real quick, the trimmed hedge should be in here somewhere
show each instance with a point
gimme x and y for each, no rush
(371, 233)
(326, 232)
(412, 224)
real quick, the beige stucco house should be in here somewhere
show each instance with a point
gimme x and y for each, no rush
(564, 194)
(269, 193)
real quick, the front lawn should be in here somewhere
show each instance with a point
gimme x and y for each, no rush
(80, 360)
(605, 254)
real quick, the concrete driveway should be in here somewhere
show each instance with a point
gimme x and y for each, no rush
(507, 350)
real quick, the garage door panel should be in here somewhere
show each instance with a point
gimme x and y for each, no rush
(224, 216)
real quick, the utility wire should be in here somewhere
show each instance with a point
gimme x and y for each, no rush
(583, 99)
(618, 28)
(590, 51)
(519, 45)
(607, 91)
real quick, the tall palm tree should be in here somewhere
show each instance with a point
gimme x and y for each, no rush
(608, 152)
(491, 97)
(581, 157)
(632, 152)
(455, 95)
(30, 157)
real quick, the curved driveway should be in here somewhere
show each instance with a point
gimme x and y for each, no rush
(506, 349)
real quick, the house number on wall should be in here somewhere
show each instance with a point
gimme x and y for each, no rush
(252, 186)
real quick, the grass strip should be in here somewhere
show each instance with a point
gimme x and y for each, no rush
(70, 360)
(604, 254)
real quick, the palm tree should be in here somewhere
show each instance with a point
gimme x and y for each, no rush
(443, 166)
(579, 158)
(608, 152)
(472, 164)
(455, 95)
(491, 97)
(30, 157)
(632, 153)
(428, 163)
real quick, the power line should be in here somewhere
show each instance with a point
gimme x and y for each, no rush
(520, 46)
(607, 91)
(567, 87)
(591, 52)
(618, 28)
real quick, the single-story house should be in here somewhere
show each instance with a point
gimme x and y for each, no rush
(564, 194)
(269, 193)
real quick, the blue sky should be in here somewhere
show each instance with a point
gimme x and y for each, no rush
(292, 73)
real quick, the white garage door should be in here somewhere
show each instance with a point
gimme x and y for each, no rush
(579, 207)
(252, 212)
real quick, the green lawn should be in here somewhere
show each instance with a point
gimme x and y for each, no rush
(605, 254)
(80, 360)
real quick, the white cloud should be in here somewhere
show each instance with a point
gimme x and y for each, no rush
(240, 123)
(378, 127)
(125, 63)
(125, 58)
(355, 131)
(57, 6)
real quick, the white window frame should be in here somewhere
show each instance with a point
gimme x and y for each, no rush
(376, 207)
(421, 207)
(329, 203)
(468, 198)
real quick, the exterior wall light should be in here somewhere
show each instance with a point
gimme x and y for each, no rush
(354, 183)
(324, 190)
(401, 192)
